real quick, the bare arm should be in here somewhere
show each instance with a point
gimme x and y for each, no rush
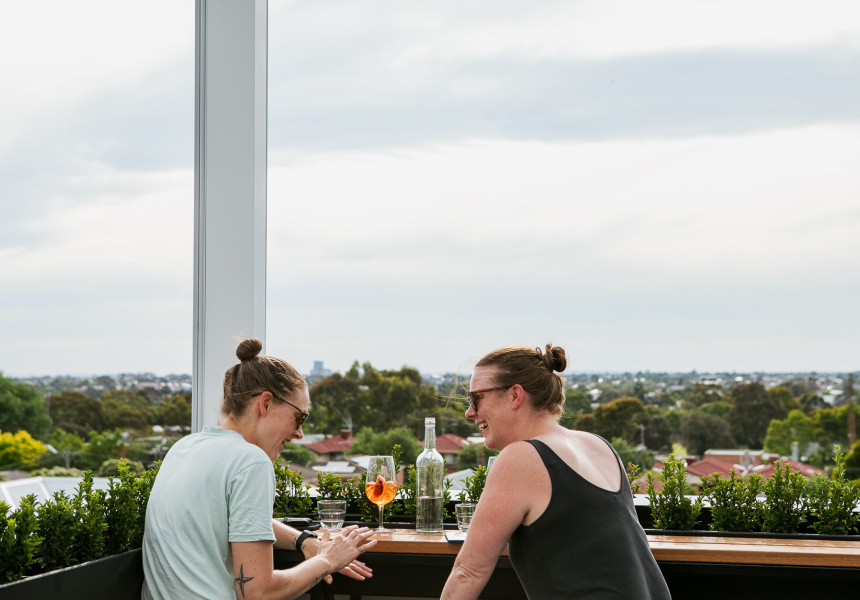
(255, 579)
(285, 539)
(507, 500)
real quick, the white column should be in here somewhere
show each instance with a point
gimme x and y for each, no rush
(229, 192)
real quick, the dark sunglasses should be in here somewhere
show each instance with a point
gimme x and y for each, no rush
(474, 398)
(301, 417)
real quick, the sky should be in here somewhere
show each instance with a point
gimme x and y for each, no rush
(660, 186)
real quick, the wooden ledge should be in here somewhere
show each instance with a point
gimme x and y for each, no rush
(755, 551)
(674, 548)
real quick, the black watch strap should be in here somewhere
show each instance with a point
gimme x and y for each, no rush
(302, 537)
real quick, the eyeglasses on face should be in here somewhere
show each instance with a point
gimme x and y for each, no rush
(475, 398)
(300, 417)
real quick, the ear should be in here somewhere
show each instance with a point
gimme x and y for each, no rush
(519, 396)
(264, 403)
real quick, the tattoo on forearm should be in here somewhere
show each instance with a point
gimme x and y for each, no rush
(242, 580)
(318, 579)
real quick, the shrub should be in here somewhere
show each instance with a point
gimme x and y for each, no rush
(672, 508)
(831, 502)
(784, 507)
(19, 539)
(58, 523)
(291, 494)
(733, 502)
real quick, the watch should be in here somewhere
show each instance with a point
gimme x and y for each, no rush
(302, 537)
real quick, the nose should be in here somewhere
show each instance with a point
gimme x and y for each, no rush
(471, 413)
(299, 434)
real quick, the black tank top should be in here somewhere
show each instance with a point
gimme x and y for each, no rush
(587, 543)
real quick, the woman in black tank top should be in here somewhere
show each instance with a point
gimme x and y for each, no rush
(558, 496)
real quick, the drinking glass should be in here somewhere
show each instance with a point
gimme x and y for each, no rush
(490, 462)
(381, 484)
(464, 513)
(332, 513)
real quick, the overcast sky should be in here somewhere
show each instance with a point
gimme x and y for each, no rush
(659, 186)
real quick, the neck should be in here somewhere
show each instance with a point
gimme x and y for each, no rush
(237, 424)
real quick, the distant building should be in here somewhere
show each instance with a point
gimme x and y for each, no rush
(318, 373)
(449, 446)
(333, 448)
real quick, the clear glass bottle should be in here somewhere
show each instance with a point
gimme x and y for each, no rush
(430, 469)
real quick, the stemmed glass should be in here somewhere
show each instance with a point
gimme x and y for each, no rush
(381, 484)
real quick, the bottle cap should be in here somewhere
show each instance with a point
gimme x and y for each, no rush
(429, 421)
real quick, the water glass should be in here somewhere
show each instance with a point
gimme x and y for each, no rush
(331, 513)
(490, 462)
(464, 513)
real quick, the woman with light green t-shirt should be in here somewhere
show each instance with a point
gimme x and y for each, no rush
(209, 527)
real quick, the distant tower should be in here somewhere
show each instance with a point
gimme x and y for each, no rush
(852, 427)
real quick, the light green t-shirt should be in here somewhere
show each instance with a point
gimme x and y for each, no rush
(213, 488)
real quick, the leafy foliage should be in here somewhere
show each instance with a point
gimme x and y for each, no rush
(22, 408)
(832, 502)
(619, 418)
(19, 539)
(472, 455)
(753, 408)
(672, 508)
(368, 442)
(57, 522)
(473, 486)
(19, 449)
(733, 501)
(291, 494)
(125, 509)
(784, 508)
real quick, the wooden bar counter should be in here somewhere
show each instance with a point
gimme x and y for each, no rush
(408, 564)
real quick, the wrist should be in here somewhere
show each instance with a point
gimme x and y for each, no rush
(303, 540)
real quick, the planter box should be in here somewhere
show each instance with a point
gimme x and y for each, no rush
(118, 577)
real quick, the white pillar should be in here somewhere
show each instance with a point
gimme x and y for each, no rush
(229, 192)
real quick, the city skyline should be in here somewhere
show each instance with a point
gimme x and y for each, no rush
(666, 187)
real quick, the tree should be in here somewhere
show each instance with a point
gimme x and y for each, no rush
(19, 450)
(619, 418)
(368, 442)
(67, 445)
(797, 427)
(585, 423)
(702, 431)
(576, 403)
(753, 408)
(102, 446)
(176, 410)
(22, 408)
(631, 456)
(125, 409)
(810, 402)
(658, 430)
(700, 393)
(472, 455)
(371, 398)
(334, 401)
(297, 455)
(76, 412)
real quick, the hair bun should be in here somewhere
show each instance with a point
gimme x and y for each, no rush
(249, 349)
(554, 358)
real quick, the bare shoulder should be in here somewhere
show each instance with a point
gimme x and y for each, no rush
(590, 456)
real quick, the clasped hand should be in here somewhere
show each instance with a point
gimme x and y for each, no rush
(342, 549)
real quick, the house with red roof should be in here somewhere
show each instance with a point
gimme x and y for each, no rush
(767, 471)
(449, 446)
(333, 448)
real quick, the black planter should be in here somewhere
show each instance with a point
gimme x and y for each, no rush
(118, 577)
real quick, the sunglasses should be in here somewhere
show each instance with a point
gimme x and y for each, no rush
(475, 398)
(300, 417)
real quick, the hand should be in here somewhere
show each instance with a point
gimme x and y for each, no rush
(342, 551)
